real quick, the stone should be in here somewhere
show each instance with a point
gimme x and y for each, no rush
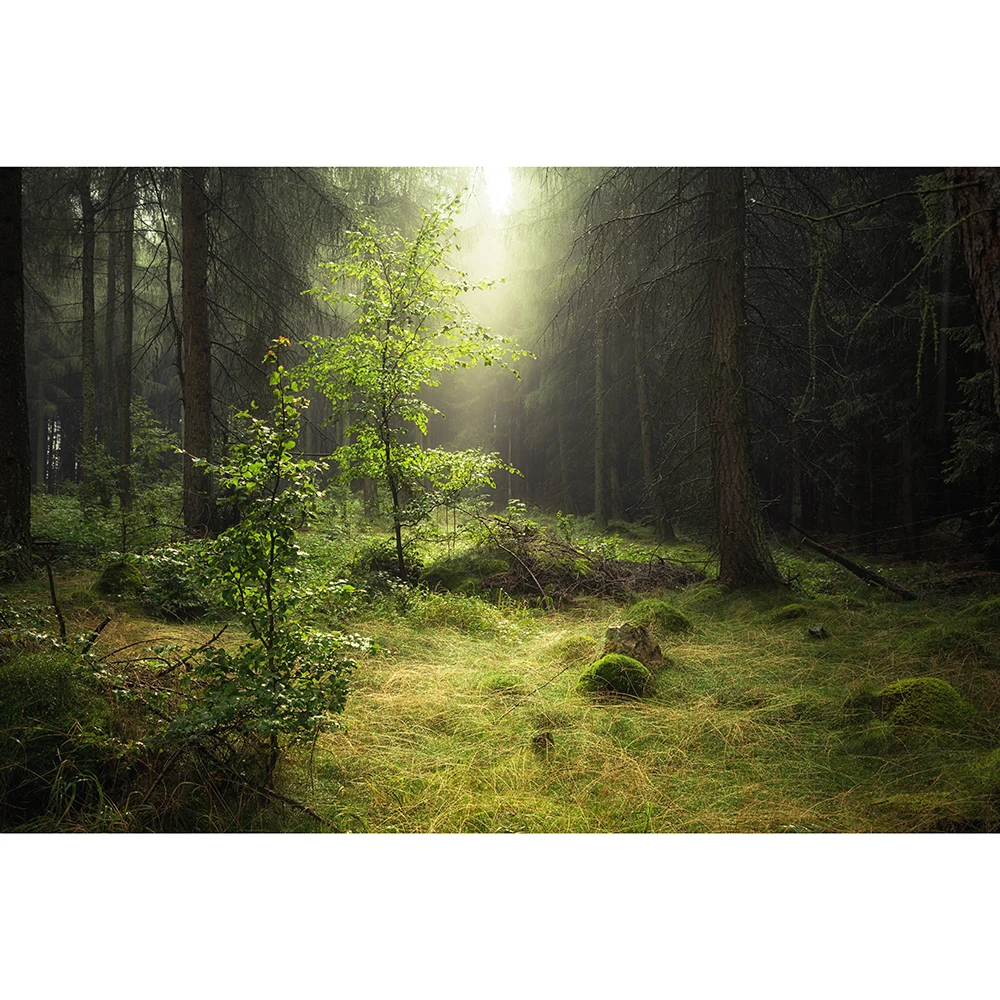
(630, 639)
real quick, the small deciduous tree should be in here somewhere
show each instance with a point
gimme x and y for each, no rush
(407, 326)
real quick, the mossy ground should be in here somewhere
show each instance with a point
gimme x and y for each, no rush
(753, 727)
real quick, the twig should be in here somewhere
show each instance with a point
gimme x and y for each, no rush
(92, 638)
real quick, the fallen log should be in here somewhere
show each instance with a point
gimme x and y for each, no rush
(868, 575)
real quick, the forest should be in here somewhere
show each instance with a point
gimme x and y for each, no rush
(500, 500)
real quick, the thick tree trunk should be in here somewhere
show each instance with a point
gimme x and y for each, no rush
(600, 495)
(744, 557)
(15, 444)
(88, 413)
(199, 503)
(125, 363)
(977, 211)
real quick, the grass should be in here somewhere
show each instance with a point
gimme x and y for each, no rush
(469, 718)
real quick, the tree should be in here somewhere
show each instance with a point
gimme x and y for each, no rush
(744, 556)
(409, 326)
(15, 447)
(199, 503)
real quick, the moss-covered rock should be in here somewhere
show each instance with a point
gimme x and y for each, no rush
(119, 579)
(927, 702)
(661, 618)
(617, 674)
(633, 641)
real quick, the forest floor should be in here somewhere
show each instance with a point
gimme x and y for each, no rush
(468, 716)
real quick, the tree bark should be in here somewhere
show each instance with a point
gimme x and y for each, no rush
(110, 317)
(88, 412)
(199, 502)
(744, 557)
(600, 496)
(125, 362)
(664, 529)
(15, 443)
(977, 211)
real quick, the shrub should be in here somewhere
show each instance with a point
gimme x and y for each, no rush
(617, 674)
(464, 573)
(175, 584)
(661, 618)
(380, 558)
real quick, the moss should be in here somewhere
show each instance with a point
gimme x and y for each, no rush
(119, 579)
(923, 702)
(986, 614)
(661, 618)
(947, 642)
(465, 573)
(573, 649)
(617, 674)
(788, 613)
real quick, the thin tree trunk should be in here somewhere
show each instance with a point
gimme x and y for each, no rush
(600, 501)
(977, 208)
(744, 557)
(199, 503)
(88, 415)
(108, 400)
(664, 529)
(125, 369)
(15, 444)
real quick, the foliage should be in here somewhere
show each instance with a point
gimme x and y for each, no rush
(287, 679)
(617, 674)
(407, 326)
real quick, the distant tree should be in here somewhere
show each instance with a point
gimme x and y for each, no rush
(15, 448)
(407, 326)
(199, 502)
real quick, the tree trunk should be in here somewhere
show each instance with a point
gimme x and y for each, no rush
(600, 501)
(199, 503)
(664, 529)
(88, 412)
(977, 210)
(744, 557)
(108, 400)
(125, 365)
(15, 444)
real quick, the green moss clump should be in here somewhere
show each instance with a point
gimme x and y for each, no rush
(573, 649)
(923, 702)
(789, 613)
(617, 674)
(661, 618)
(118, 580)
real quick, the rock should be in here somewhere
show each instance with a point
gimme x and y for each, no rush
(818, 632)
(633, 641)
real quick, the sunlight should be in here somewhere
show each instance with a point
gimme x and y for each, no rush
(499, 188)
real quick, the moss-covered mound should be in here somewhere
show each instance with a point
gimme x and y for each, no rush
(923, 702)
(573, 649)
(466, 573)
(661, 618)
(947, 642)
(617, 674)
(789, 612)
(985, 614)
(119, 579)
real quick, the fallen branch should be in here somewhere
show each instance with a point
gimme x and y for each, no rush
(868, 575)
